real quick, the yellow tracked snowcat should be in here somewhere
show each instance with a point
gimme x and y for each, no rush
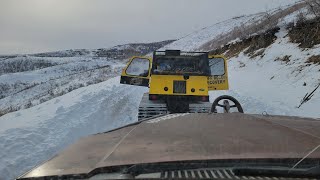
(179, 81)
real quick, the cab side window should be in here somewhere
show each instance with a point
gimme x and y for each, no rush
(217, 66)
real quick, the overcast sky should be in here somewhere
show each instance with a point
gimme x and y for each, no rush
(28, 26)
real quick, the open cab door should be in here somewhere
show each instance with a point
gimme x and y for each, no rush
(218, 80)
(137, 72)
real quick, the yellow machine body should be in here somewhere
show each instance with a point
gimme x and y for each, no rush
(198, 83)
(157, 83)
(178, 82)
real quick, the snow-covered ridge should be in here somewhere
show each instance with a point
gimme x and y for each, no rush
(197, 39)
(222, 31)
(116, 52)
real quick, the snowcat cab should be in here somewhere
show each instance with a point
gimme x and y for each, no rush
(179, 81)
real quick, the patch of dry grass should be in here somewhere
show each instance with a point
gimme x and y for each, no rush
(285, 58)
(258, 53)
(306, 33)
(314, 59)
(251, 45)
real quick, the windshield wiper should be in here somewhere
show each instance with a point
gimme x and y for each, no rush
(313, 172)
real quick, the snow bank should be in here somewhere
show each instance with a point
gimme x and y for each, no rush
(278, 84)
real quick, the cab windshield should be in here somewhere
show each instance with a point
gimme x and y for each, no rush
(179, 66)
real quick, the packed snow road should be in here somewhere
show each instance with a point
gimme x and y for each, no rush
(30, 136)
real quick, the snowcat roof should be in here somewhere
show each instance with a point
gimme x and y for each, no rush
(179, 53)
(184, 137)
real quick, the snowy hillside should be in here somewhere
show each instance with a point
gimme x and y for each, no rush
(40, 79)
(270, 71)
(279, 78)
(29, 80)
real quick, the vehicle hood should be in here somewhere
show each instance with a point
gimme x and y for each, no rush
(183, 137)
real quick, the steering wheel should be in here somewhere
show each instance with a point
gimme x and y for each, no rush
(226, 105)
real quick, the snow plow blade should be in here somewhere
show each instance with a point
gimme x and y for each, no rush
(149, 109)
(223, 138)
